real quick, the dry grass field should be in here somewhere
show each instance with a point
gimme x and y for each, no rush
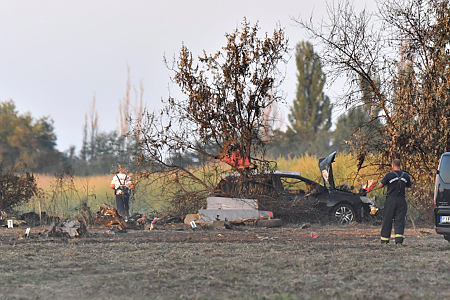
(176, 262)
(64, 198)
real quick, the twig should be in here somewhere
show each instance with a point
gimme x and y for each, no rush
(414, 225)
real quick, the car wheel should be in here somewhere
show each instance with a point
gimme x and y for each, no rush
(269, 223)
(447, 237)
(344, 213)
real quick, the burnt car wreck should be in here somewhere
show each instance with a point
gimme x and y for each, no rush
(292, 197)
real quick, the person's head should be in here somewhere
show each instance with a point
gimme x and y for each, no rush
(121, 170)
(396, 163)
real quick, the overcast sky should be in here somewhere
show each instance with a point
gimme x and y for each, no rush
(56, 55)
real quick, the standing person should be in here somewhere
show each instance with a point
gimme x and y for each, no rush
(395, 206)
(122, 185)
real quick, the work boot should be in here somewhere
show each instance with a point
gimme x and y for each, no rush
(399, 239)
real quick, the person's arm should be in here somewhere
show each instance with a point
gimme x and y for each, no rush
(409, 183)
(112, 185)
(383, 182)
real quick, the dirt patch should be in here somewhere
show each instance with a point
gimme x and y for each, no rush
(343, 262)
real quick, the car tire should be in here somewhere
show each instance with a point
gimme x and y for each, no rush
(344, 213)
(269, 223)
(447, 237)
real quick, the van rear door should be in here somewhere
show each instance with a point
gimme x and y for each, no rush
(442, 196)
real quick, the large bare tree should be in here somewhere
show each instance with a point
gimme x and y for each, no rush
(223, 112)
(400, 53)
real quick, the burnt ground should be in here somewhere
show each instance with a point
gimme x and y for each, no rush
(176, 262)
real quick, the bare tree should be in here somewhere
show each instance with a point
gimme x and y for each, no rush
(129, 114)
(124, 111)
(94, 128)
(227, 94)
(400, 54)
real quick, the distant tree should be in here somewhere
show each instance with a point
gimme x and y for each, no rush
(310, 114)
(93, 130)
(107, 152)
(24, 140)
(84, 152)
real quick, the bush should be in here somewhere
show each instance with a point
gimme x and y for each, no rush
(16, 187)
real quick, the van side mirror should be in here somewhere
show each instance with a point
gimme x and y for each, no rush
(437, 172)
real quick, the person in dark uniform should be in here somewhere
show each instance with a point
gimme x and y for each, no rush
(395, 206)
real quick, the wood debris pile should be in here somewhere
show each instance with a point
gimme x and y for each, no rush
(108, 215)
(69, 228)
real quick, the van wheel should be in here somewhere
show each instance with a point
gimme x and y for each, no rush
(269, 223)
(344, 213)
(447, 237)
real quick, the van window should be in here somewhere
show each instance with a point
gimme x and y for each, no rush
(297, 186)
(293, 185)
(444, 168)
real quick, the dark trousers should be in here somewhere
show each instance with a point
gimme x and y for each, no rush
(395, 209)
(122, 203)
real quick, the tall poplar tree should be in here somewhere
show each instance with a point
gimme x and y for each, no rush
(310, 114)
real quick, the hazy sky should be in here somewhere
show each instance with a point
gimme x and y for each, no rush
(56, 55)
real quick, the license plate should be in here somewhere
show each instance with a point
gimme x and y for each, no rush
(445, 219)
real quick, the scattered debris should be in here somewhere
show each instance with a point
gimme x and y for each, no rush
(108, 215)
(69, 228)
(138, 221)
(269, 223)
(228, 225)
(304, 225)
(193, 225)
(9, 222)
(191, 217)
(152, 225)
(23, 234)
(3, 217)
(425, 232)
(314, 235)
(232, 209)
